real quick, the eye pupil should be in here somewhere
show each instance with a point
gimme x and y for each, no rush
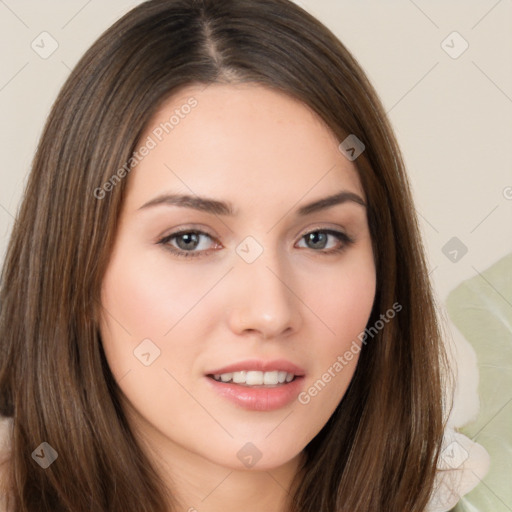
(191, 240)
(318, 239)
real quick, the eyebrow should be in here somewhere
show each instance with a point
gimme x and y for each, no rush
(216, 207)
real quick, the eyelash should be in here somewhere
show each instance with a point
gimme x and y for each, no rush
(342, 237)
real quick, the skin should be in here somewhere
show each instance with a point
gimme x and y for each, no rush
(267, 154)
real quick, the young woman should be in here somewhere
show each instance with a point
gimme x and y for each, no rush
(215, 295)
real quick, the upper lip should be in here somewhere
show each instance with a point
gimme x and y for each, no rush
(261, 366)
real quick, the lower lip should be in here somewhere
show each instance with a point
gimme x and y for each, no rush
(259, 398)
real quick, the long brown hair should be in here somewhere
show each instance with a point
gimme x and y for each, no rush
(379, 449)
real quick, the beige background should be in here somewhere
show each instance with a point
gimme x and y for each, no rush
(452, 116)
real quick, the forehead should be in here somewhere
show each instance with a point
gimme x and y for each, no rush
(245, 141)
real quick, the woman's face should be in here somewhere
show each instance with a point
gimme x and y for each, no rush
(230, 273)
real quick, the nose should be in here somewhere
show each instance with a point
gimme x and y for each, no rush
(263, 301)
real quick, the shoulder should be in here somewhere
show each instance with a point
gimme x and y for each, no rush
(5, 455)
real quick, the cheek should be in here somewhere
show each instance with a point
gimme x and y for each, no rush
(144, 297)
(141, 302)
(344, 303)
(148, 296)
(146, 310)
(344, 300)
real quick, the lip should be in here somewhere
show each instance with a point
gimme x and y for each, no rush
(255, 398)
(258, 398)
(260, 366)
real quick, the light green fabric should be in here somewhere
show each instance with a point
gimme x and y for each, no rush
(481, 308)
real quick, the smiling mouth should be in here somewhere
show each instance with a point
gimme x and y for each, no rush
(252, 378)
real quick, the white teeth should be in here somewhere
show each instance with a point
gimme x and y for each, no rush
(239, 377)
(255, 378)
(271, 378)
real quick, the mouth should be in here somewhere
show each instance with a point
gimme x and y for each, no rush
(258, 385)
(254, 378)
